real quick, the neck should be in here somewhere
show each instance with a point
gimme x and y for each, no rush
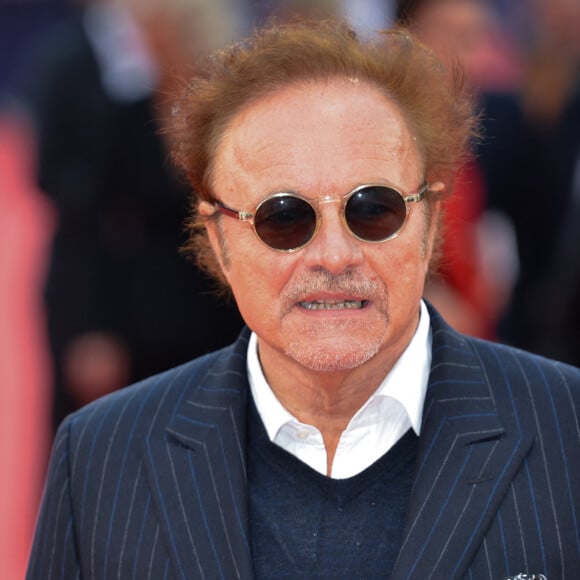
(325, 400)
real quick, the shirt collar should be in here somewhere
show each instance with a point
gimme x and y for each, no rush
(406, 383)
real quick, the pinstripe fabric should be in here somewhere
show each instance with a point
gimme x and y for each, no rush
(497, 490)
(537, 522)
(150, 482)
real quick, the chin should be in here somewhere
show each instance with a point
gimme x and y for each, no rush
(331, 358)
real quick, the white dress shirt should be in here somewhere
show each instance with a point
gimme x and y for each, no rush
(394, 407)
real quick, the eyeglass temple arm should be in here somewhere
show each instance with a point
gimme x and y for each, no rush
(420, 195)
(239, 215)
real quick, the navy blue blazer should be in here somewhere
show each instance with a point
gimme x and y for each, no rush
(150, 482)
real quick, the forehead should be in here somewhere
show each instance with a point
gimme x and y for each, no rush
(320, 135)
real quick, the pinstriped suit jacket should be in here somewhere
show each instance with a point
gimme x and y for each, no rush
(149, 483)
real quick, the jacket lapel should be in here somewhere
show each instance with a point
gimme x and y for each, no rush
(469, 452)
(197, 470)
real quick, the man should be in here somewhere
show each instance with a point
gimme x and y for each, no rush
(349, 432)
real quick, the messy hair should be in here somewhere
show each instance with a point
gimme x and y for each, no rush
(434, 101)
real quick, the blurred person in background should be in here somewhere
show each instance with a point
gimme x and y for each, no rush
(368, 16)
(291, 10)
(532, 167)
(478, 261)
(121, 302)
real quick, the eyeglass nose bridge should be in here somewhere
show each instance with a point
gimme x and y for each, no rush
(326, 199)
(341, 201)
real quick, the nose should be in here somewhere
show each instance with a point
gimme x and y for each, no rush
(333, 248)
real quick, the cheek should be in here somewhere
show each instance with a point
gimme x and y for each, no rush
(239, 252)
(402, 265)
(257, 276)
(408, 272)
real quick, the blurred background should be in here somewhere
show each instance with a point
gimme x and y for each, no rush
(93, 291)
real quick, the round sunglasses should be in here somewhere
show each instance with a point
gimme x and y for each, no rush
(287, 222)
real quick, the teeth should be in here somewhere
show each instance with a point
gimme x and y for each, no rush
(332, 305)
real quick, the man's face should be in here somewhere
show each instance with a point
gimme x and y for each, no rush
(318, 139)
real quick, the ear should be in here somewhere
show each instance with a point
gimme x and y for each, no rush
(214, 228)
(437, 190)
(205, 209)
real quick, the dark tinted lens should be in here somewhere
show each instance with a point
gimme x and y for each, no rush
(285, 222)
(375, 213)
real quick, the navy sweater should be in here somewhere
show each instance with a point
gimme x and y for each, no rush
(306, 525)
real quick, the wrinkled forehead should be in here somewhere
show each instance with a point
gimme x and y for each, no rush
(316, 128)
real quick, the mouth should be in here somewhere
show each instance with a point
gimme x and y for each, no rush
(334, 304)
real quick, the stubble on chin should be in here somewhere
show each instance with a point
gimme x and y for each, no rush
(336, 349)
